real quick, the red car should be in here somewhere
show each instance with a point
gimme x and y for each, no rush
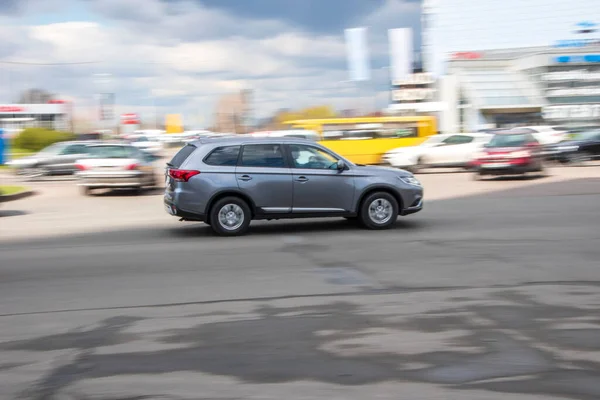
(510, 152)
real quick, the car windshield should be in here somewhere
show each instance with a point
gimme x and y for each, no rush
(588, 135)
(434, 139)
(508, 140)
(111, 152)
(53, 149)
(141, 139)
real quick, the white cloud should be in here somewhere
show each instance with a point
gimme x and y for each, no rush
(183, 58)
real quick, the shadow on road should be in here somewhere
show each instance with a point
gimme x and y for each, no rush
(11, 213)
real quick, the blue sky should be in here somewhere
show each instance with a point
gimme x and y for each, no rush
(181, 55)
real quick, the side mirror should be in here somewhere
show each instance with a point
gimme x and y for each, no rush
(341, 165)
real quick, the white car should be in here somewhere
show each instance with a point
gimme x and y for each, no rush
(147, 144)
(445, 150)
(547, 134)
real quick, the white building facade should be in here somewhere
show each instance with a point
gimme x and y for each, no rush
(514, 62)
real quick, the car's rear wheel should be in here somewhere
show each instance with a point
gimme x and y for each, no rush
(230, 216)
(379, 211)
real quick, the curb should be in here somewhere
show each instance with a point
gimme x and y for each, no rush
(17, 196)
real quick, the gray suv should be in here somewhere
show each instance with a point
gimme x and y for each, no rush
(227, 182)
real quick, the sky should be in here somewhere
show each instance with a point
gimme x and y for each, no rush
(179, 56)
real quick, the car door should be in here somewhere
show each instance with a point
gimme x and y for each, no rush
(319, 187)
(64, 161)
(264, 176)
(443, 153)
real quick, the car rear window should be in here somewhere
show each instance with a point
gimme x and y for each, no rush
(507, 140)
(182, 155)
(226, 156)
(112, 152)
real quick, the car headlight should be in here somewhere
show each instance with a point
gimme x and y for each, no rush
(410, 180)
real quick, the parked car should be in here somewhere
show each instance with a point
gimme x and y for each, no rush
(511, 152)
(145, 143)
(56, 159)
(228, 182)
(116, 166)
(584, 146)
(546, 135)
(447, 150)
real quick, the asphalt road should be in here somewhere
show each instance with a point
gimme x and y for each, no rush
(489, 296)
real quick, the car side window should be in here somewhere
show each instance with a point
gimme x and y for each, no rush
(458, 139)
(223, 156)
(262, 155)
(310, 157)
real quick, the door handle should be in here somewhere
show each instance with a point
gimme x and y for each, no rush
(245, 178)
(301, 179)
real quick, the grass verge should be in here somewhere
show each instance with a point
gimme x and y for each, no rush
(11, 189)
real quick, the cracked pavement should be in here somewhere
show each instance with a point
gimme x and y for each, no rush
(492, 296)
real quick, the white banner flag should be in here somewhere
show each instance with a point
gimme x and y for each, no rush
(401, 53)
(358, 54)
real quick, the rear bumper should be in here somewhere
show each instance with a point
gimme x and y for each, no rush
(111, 180)
(171, 209)
(508, 169)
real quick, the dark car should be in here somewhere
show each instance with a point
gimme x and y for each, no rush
(511, 152)
(56, 159)
(584, 146)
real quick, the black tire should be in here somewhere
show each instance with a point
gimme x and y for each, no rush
(579, 158)
(389, 216)
(239, 208)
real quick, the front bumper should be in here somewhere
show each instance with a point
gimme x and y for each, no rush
(414, 208)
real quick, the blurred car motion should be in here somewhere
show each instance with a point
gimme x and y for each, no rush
(228, 182)
(546, 135)
(149, 144)
(511, 152)
(447, 150)
(583, 147)
(116, 166)
(56, 159)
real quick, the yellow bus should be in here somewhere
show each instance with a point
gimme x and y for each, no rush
(364, 140)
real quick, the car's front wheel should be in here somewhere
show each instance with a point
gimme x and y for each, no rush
(379, 211)
(230, 216)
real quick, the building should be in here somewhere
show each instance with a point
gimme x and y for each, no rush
(16, 117)
(233, 112)
(513, 62)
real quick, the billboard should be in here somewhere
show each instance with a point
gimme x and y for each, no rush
(401, 53)
(357, 51)
(173, 123)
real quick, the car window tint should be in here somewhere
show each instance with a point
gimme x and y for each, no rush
(77, 149)
(223, 156)
(182, 155)
(310, 157)
(263, 155)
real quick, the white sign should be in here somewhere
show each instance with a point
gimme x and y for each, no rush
(401, 53)
(358, 54)
(421, 78)
(568, 92)
(575, 75)
(32, 109)
(413, 94)
(580, 111)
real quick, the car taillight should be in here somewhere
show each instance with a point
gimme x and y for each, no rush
(80, 167)
(182, 175)
(131, 167)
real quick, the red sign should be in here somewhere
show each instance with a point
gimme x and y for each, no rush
(56, 101)
(130, 119)
(11, 109)
(467, 55)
